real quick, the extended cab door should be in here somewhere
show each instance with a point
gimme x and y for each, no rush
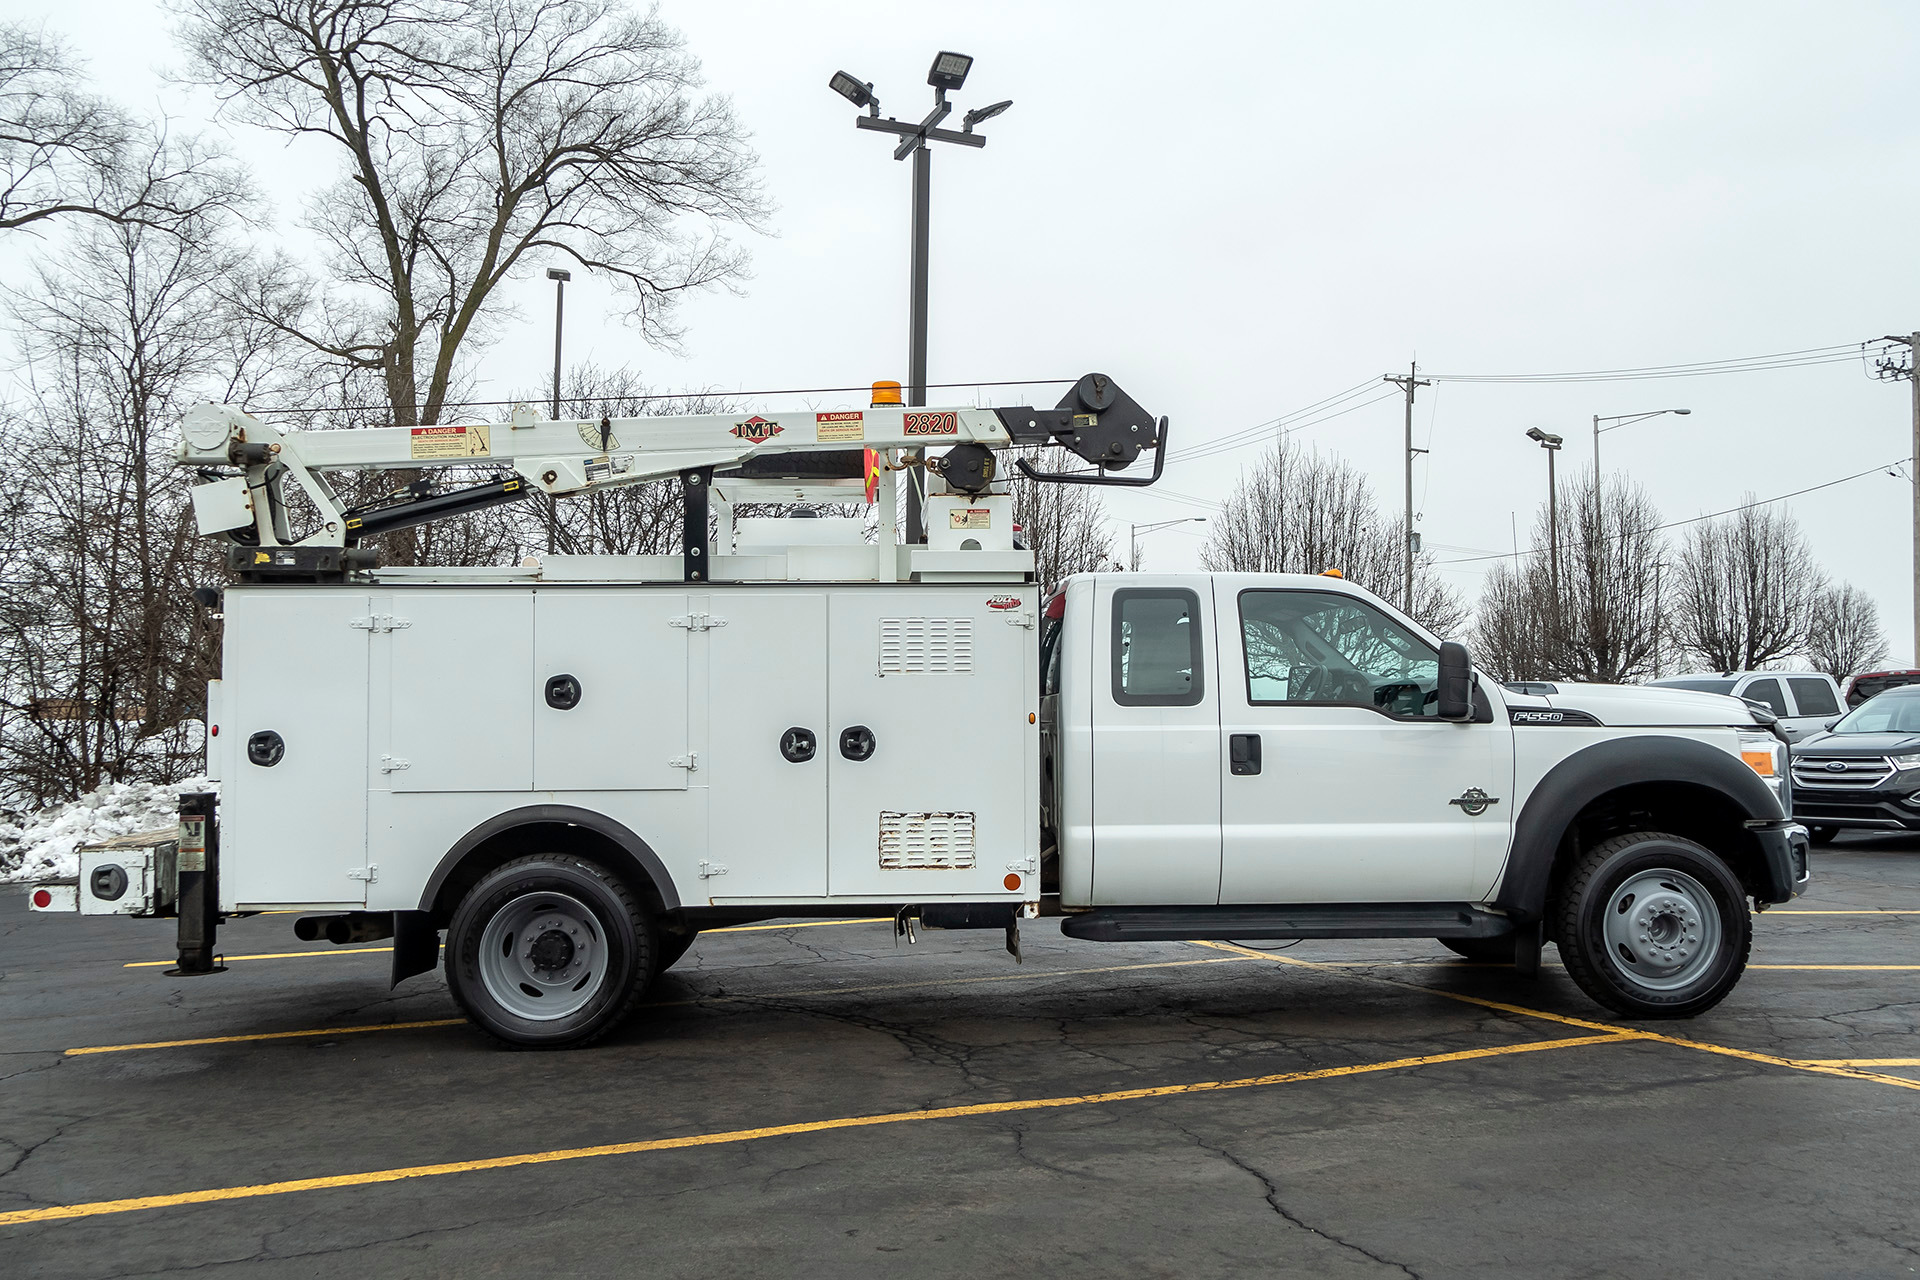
(1156, 743)
(1339, 783)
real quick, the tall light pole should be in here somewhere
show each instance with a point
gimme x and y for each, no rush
(1551, 443)
(949, 72)
(559, 276)
(1409, 384)
(1620, 420)
(1135, 530)
(1890, 370)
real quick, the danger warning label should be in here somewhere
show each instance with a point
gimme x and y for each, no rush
(970, 518)
(840, 426)
(450, 442)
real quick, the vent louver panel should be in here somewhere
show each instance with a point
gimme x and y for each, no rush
(926, 646)
(926, 841)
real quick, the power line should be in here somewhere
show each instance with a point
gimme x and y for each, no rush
(1255, 435)
(1805, 358)
(659, 395)
(1675, 524)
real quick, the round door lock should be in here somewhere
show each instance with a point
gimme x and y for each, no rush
(856, 743)
(797, 745)
(266, 748)
(563, 692)
(108, 883)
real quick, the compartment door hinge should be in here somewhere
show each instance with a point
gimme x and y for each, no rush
(393, 764)
(1020, 619)
(369, 873)
(380, 622)
(698, 621)
(689, 761)
(708, 870)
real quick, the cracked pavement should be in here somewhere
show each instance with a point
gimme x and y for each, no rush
(1586, 1161)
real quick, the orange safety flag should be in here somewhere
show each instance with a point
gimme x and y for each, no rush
(872, 473)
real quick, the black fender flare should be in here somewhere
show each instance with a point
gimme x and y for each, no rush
(1592, 772)
(645, 860)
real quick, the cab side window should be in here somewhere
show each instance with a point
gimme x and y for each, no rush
(1767, 693)
(1306, 647)
(1156, 648)
(1813, 697)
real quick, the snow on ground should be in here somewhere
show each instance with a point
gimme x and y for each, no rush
(44, 848)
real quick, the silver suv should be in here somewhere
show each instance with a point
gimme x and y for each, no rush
(1805, 701)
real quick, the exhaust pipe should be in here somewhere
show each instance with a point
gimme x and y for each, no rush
(358, 926)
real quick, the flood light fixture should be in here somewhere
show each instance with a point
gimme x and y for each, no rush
(858, 92)
(949, 70)
(979, 114)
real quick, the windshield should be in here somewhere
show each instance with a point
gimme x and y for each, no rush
(1888, 714)
(1699, 686)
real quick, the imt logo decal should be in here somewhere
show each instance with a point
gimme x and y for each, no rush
(756, 429)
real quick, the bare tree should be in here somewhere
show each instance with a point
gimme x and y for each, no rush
(1301, 512)
(1512, 629)
(1747, 589)
(1064, 524)
(475, 136)
(1845, 637)
(67, 151)
(104, 654)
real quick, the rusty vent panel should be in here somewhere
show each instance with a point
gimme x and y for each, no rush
(926, 646)
(926, 841)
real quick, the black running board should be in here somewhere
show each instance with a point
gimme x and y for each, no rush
(1311, 920)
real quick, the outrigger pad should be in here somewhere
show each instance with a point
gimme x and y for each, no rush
(1096, 420)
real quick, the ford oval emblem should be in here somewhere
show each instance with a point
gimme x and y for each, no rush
(1836, 766)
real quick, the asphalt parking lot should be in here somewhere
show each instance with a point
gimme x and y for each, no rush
(811, 1100)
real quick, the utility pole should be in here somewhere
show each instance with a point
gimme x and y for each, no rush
(559, 276)
(1409, 384)
(1889, 371)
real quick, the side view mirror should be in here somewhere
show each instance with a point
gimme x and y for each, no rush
(1455, 686)
(1828, 726)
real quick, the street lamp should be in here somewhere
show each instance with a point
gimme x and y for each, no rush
(947, 74)
(1135, 530)
(1551, 443)
(1621, 420)
(559, 276)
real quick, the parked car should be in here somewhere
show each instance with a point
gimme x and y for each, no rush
(1804, 701)
(1865, 773)
(1871, 684)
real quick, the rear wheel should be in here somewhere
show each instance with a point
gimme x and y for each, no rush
(1653, 926)
(550, 951)
(1482, 950)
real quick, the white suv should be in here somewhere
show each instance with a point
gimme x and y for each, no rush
(1805, 701)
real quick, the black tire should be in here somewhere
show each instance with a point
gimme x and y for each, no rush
(1674, 947)
(1822, 835)
(588, 923)
(1481, 950)
(672, 947)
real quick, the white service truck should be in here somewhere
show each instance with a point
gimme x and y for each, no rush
(570, 768)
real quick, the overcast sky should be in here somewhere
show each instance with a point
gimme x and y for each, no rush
(1240, 210)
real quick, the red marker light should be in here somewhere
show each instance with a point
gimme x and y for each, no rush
(214, 731)
(42, 899)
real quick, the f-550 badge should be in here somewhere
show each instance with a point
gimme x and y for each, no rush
(756, 429)
(1474, 802)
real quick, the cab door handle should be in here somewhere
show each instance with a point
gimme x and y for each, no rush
(1243, 753)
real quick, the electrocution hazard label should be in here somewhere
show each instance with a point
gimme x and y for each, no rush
(451, 442)
(840, 426)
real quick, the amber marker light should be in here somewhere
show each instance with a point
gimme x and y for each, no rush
(1012, 881)
(885, 394)
(1760, 761)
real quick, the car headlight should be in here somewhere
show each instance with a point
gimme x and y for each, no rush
(1909, 761)
(1766, 754)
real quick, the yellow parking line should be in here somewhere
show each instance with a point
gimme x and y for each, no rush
(784, 994)
(1899, 967)
(809, 924)
(1863, 1062)
(266, 1035)
(272, 955)
(1871, 911)
(97, 1208)
(1631, 1033)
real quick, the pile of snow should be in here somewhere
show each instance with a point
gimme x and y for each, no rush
(44, 848)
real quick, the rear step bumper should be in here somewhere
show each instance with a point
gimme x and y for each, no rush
(1313, 920)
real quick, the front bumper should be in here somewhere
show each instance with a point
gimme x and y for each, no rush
(1882, 809)
(1784, 863)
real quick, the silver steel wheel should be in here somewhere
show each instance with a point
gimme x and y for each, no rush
(542, 956)
(1662, 929)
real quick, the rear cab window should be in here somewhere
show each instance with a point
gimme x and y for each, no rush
(1767, 693)
(1157, 656)
(1813, 697)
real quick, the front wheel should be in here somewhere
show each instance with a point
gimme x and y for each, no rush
(1653, 926)
(550, 951)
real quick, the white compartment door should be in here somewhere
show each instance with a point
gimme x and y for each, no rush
(945, 802)
(767, 677)
(460, 698)
(292, 832)
(625, 650)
